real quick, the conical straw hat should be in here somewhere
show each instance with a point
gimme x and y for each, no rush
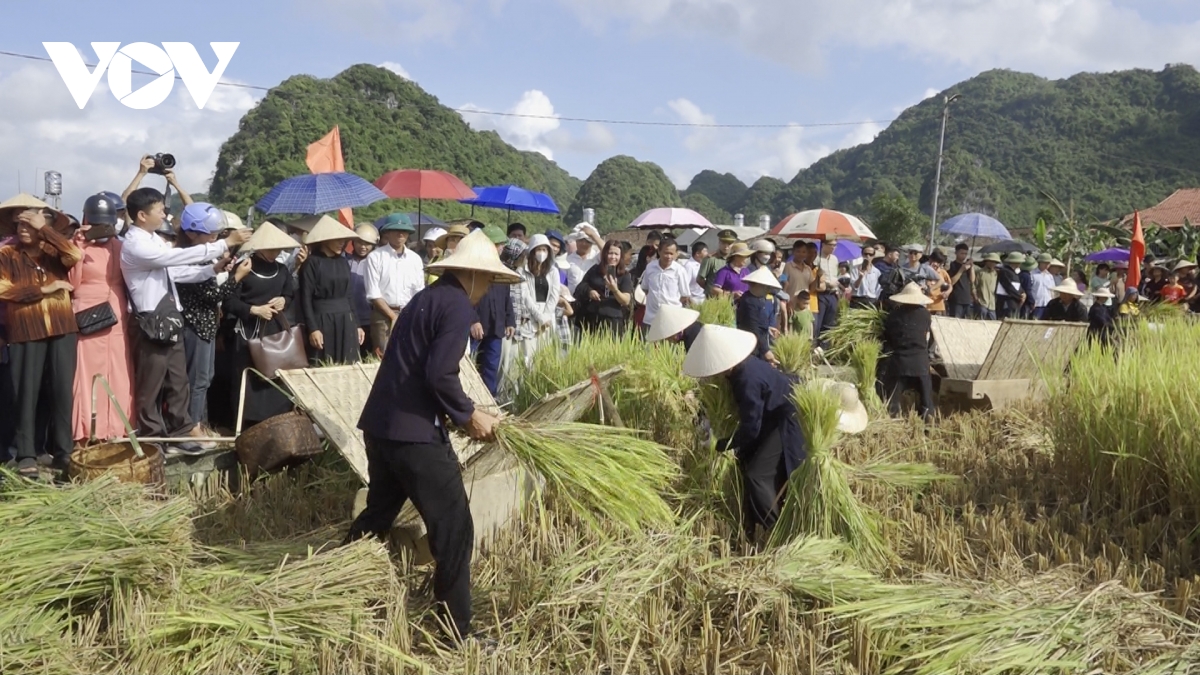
(24, 202)
(669, 321)
(1103, 292)
(717, 349)
(269, 238)
(476, 253)
(853, 417)
(911, 295)
(1067, 287)
(763, 277)
(328, 229)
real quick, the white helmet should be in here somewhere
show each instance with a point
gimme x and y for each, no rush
(433, 234)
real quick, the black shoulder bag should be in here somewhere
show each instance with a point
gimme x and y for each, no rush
(163, 325)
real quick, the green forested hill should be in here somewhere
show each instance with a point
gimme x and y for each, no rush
(1112, 142)
(725, 190)
(619, 189)
(386, 123)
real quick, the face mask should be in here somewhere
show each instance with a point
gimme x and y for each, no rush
(541, 256)
(764, 258)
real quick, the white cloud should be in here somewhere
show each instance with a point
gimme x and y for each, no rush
(98, 148)
(396, 68)
(1050, 37)
(540, 130)
(383, 20)
(689, 113)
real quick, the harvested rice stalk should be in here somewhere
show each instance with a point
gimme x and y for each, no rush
(717, 312)
(802, 324)
(864, 358)
(819, 500)
(600, 474)
(794, 352)
(853, 326)
(719, 406)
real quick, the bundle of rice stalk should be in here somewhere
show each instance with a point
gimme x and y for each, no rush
(74, 546)
(600, 474)
(794, 352)
(864, 358)
(819, 499)
(853, 326)
(719, 406)
(717, 312)
(230, 619)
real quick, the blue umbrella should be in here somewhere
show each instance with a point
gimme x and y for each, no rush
(319, 193)
(512, 198)
(417, 219)
(976, 225)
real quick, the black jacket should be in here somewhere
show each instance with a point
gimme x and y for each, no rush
(1010, 280)
(417, 383)
(752, 313)
(764, 399)
(495, 312)
(906, 340)
(1057, 311)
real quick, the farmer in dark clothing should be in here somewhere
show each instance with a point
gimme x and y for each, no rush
(1100, 316)
(768, 442)
(416, 394)
(1009, 294)
(675, 324)
(1026, 278)
(906, 340)
(962, 279)
(1066, 307)
(756, 311)
(494, 321)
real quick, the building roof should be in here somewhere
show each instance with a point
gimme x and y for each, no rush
(1171, 212)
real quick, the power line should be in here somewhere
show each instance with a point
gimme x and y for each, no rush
(470, 111)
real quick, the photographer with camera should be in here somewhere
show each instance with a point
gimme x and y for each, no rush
(160, 164)
(864, 280)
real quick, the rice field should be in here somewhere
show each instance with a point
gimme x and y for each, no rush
(1059, 538)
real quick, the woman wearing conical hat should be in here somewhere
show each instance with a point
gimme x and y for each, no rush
(1065, 306)
(327, 296)
(906, 340)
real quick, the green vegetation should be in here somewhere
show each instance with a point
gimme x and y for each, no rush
(724, 189)
(705, 207)
(386, 123)
(619, 189)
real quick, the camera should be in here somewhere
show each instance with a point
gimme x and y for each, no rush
(162, 162)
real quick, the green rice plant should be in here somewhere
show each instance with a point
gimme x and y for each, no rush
(864, 358)
(599, 474)
(802, 324)
(719, 406)
(1126, 421)
(717, 312)
(651, 393)
(853, 326)
(819, 499)
(794, 352)
(1157, 312)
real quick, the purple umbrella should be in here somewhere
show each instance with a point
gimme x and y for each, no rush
(1109, 255)
(845, 251)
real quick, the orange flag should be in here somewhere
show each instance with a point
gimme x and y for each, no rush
(325, 156)
(1137, 251)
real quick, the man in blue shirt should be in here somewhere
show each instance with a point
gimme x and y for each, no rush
(416, 394)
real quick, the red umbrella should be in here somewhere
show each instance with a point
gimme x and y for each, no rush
(422, 184)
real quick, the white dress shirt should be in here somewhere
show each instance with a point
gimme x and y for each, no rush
(828, 264)
(869, 288)
(692, 267)
(663, 287)
(1041, 283)
(394, 277)
(151, 267)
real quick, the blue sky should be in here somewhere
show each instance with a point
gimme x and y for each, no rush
(724, 61)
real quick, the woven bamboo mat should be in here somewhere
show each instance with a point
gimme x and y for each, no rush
(964, 344)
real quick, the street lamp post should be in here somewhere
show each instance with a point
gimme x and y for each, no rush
(937, 178)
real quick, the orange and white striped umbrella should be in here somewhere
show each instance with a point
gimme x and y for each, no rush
(823, 224)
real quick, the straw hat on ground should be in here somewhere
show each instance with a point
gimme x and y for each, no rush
(367, 232)
(853, 417)
(232, 221)
(269, 238)
(1067, 287)
(670, 320)
(911, 295)
(739, 249)
(763, 277)
(328, 229)
(459, 231)
(717, 349)
(1183, 265)
(476, 253)
(23, 202)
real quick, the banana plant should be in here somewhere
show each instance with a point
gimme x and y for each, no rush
(1069, 238)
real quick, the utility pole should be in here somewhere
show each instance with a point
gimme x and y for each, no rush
(937, 178)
